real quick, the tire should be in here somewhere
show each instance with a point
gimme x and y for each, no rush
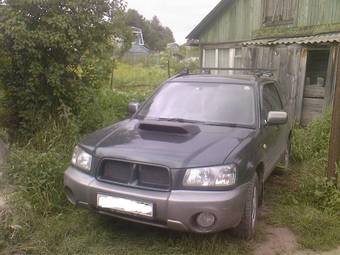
(246, 228)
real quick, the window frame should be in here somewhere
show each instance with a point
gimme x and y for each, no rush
(274, 85)
(268, 23)
(232, 56)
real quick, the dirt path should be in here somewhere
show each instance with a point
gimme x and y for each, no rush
(282, 241)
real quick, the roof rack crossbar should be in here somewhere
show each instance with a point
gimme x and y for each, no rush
(256, 71)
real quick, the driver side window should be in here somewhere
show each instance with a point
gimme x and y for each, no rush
(270, 100)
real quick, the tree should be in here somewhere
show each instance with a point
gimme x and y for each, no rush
(51, 53)
(155, 35)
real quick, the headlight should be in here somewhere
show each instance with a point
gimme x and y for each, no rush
(81, 159)
(217, 176)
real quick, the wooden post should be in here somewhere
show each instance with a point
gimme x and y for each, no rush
(334, 145)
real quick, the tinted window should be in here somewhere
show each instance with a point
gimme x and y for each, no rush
(206, 102)
(271, 99)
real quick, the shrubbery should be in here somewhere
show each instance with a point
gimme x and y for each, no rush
(312, 142)
(37, 167)
(321, 193)
(311, 145)
(53, 56)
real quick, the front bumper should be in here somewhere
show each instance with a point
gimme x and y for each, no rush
(175, 209)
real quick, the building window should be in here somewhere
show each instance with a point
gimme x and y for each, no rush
(209, 56)
(278, 11)
(238, 58)
(222, 58)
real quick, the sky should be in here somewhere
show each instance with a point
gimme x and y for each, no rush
(181, 16)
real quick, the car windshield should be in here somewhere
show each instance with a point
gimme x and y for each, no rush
(208, 103)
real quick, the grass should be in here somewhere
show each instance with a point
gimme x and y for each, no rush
(79, 231)
(315, 229)
(40, 221)
(82, 232)
(138, 76)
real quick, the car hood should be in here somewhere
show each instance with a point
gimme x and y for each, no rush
(125, 140)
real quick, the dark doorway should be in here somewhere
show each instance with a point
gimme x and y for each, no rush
(315, 84)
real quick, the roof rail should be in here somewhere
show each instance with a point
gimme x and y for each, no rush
(259, 72)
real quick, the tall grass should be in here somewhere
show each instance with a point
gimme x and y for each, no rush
(311, 145)
(138, 75)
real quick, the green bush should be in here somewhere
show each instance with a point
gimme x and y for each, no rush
(106, 106)
(312, 142)
(51, 54)
(319, 192)
(178, 66)
(36, 166)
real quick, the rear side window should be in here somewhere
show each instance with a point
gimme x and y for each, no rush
(271, 99)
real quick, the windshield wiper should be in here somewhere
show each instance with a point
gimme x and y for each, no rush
(181, 120)
(208, 123)
(228, 125)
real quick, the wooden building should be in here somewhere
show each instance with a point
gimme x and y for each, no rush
(138, 52)
(296, 38)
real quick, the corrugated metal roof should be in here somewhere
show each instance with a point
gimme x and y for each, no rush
(322, 38)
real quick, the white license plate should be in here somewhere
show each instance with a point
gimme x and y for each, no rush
(125, 205)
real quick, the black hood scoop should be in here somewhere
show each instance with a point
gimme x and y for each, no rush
(169, 127)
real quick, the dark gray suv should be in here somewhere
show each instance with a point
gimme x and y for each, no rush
(193, 157)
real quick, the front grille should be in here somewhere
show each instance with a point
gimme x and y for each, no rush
(116, 171)
(135, 174)
(153, 176)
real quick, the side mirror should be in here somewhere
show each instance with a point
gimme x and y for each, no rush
(133, 107)
(277, 118)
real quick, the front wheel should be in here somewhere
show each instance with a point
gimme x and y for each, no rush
(246, 228)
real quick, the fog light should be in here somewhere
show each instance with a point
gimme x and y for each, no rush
(205, 219)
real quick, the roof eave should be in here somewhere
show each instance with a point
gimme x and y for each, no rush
(194, 34)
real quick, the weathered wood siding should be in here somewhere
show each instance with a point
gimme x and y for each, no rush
(287, 62)
(244, 20)
(318, 12)
(235, 24)
(310, 17)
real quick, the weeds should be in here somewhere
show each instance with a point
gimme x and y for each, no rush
(311, 143)
(124, 76)
(304, 199)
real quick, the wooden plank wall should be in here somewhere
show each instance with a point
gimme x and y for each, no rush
(243, 20)
(286, 60)
(235, 24)
(317, 12)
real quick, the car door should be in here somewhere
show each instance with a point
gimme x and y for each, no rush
(273, 135)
